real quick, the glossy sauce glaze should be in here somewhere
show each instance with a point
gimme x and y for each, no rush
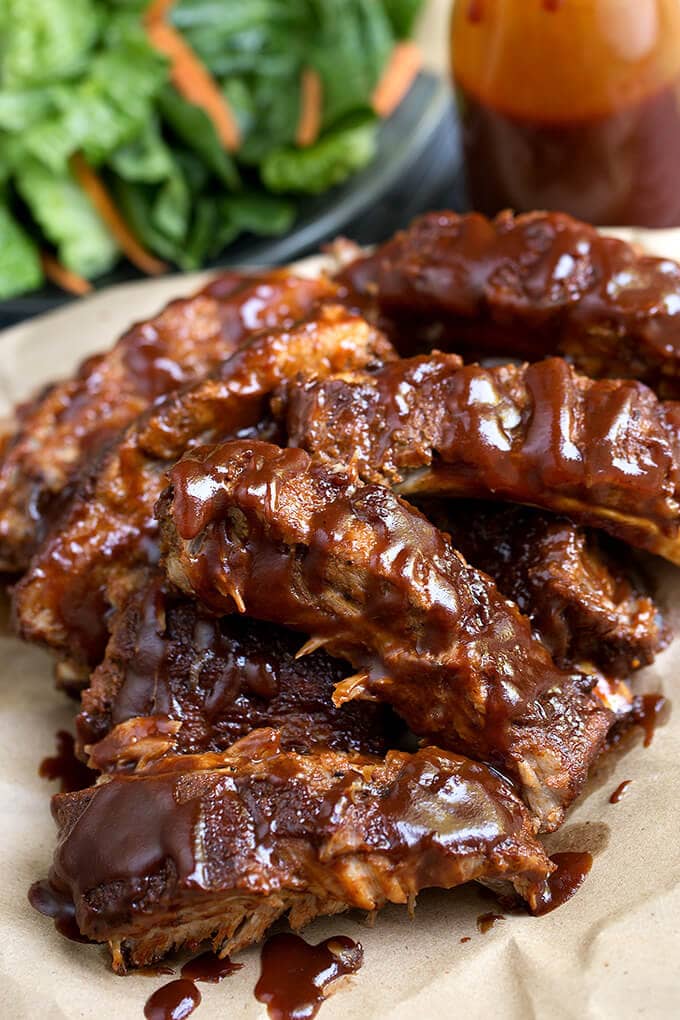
(295, 975)
(263, 818)
(620, 791)
(72, 773)
(526, 287)
(174, 1001)
(405, 577)
(575, 107)
(605, 452)
(572, 870)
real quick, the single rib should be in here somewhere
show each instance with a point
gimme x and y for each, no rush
(526, 286)
(65, 425)
(219, 846)
(604, 453)
(270, 532)
(88, 563)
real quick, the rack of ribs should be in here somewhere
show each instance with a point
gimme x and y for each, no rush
(526, 286)
(247, 526)
(169, 661)
(573, 587)
(605, 453)
(88, 562)
(218, 846)
(71, 421)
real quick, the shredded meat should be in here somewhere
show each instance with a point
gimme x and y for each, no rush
(586, 606)
(605, 453)
(169, 659)
(526, 286)
(219, 846)
(88, 562)
(248, 526)
(70, 421)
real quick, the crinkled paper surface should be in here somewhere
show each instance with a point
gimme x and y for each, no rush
(612, 952)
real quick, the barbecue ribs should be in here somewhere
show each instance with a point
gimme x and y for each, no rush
(69, 422)
(605, 453)
(247, 526)
(579, 598)
(220, 678)
(527, 286)
(109, 528)
(219, 846)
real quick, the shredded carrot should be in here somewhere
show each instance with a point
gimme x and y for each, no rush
(63, 277)
(158, 10)
(193, 80)
(397, 78)
(103, 203)
(311, 103)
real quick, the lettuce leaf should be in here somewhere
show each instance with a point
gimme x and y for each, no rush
(45, 40)
(20, 268)
(67, 219)
(145, 158)
(327, 163)
(193, 127)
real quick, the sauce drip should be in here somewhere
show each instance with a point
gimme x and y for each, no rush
(466, 938)
(295, 974)
(646, 714)
(209, 967)
(51, 902)
(572, 868)
(620, 791)
(487, 921)
(173, 1001)
(66, 767)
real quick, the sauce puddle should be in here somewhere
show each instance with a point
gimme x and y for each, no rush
(572, 868)
(209, 967)
(486, 921)
(173, 1001)
(51, 902)
(620, 791)
(295, 974)
(65, 766)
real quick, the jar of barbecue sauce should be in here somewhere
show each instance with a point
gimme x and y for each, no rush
(571, 105)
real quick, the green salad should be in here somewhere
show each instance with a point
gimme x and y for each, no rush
(84, 84)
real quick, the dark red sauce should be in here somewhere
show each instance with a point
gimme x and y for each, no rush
(209, 967)
(646, 712)
(52, 902)
(487, 921)
(620, 791)
(295, 974)
(64, 766)
(572, 868)
(173, 1001)
(466, 938)
(616, 168)
(475, 11)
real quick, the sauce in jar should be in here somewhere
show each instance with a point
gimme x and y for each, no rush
(571, 105)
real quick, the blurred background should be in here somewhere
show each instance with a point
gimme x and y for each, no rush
(138, 138)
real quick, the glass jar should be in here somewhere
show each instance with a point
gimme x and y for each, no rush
(571, 105)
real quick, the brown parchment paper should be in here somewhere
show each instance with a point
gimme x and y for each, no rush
(612, 952)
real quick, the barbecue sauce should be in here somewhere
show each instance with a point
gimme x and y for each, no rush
(72, 773)
(52, 902)
(620, 791)
(571, 106)
(646, 712)
(174, 1001)
(209, 967)
(572, 869)
(486, 921)
(295, 974)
